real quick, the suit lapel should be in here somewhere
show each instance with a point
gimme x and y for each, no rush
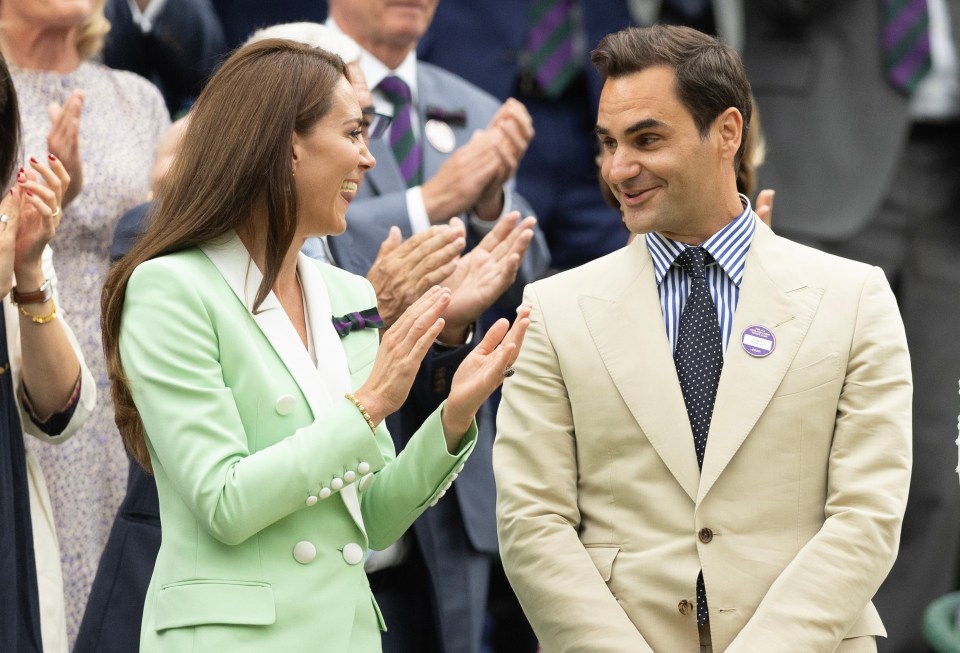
(237, 268)
(641, 364)
(431, 94)
(773, 295)
(386, 176)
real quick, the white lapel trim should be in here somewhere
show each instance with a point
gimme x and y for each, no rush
(231, 258)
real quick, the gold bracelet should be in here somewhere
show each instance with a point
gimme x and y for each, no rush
(363, 411)
(40, 319)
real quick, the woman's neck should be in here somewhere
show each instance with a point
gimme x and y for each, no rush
(255, 241)
(41, 48)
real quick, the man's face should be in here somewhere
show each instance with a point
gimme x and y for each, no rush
(666, 177)
(372, 22)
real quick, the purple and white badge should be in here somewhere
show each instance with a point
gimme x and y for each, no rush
(758, 341)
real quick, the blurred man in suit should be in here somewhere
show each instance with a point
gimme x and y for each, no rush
(707, 438)
(861, 105)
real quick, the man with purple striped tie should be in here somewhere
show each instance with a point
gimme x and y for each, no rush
(452, 150)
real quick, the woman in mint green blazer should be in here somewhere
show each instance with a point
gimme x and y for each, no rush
(252, 380)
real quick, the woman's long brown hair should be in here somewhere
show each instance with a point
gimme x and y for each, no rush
(233, 166)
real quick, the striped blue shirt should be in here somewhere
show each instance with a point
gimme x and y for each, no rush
(729, 248)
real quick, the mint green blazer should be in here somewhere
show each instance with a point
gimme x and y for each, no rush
(269, 496)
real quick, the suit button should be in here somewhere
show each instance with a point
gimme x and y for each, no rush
(336, 484)
(311, 501)
(705, 535)
(304, 552)
(350, 476)
(324, 492)
(684, 607)
(363, 467)
(365, 482)
(352, 553)
(285, 404)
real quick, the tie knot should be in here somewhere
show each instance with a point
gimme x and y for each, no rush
(693, 260)
(395, 89)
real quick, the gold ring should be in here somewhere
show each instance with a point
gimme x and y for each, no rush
(55, 213)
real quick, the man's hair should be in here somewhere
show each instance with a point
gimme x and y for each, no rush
(710, 77)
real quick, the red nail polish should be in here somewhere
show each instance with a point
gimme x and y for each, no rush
(21, 171)
(29, 193)
(33, 160)
(51, 157)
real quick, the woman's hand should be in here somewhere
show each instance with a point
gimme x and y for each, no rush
(480, 374)
(40, 214)
(9, 223)
(401, 351)
(63, 140)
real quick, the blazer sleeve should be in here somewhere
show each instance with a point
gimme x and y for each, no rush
(562, 593)
(836, 573)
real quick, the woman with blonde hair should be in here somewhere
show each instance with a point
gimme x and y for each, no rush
(104, 126)
(252, 379)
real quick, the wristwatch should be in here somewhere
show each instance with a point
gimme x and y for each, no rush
(36, 297)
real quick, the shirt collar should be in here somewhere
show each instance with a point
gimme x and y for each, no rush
(728, 247)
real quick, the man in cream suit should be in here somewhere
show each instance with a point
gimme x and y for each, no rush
(707, 438)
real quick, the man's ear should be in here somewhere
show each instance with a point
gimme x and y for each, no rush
(729, 126)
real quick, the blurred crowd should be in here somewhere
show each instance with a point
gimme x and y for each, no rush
(481, 117)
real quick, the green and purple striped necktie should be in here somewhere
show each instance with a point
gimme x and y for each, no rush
(406, 150)
(551, 44)
(905, 42)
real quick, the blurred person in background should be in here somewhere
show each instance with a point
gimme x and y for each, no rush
(46, 391)
(861, 103)
(103, 125)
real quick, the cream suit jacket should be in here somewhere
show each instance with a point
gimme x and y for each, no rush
(605, 520)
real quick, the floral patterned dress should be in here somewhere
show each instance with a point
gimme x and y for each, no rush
(123, 118)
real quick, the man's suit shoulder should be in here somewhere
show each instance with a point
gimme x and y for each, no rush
(822, 268)
(455, 87)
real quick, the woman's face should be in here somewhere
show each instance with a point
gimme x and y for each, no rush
(328, 165)
(47, 13)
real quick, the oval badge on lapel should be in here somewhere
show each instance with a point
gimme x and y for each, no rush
(758, 341)
(440, 135)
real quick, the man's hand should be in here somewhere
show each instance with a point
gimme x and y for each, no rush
(63, 140)
(512, 130)
(403, 271)
(460, 180)
(484, 274)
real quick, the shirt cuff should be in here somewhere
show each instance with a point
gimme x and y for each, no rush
(144, 19)
(484, 227)
(417, 210)
(55, 423)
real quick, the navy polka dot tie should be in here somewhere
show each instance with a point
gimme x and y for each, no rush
(699, 360)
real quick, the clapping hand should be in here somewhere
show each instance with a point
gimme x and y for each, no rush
(480, 373)
(485, 273)
(39, 192)
(405, 270)
(63, 140)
